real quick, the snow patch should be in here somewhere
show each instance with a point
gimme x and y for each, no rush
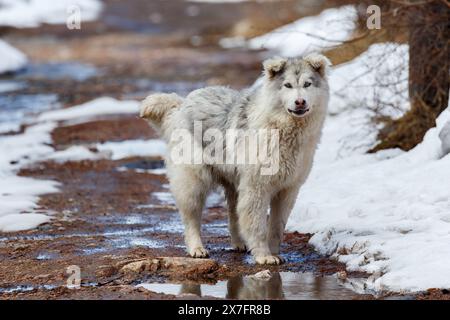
(12, 59)
(97, 107)
(328, 29)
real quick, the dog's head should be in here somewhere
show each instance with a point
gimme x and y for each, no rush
(298, 83)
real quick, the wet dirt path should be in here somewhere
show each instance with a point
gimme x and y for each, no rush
(113, 214)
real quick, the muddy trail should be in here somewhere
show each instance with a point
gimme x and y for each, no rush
(115, 220)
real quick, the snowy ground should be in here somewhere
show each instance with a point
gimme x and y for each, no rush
(328, 29)
(370, 210)
(19, 195)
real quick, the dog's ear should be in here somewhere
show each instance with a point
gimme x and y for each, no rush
(318, 62)
(274, 66)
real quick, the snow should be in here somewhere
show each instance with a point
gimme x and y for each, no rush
(19, 195)
(32, 13)
(134, 148)
(386, 213)
(98, 107)
(12, 59)
(330, 28)
(20, 222)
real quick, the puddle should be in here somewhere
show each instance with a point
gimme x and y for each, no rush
(14, 107)
(283, 285)
(214, 200)
(153, 166)
(28, 288)
(59, 71)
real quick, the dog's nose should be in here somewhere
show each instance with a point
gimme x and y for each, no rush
(300, 102)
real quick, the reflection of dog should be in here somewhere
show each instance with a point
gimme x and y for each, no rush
(247, 287)
(292, 99)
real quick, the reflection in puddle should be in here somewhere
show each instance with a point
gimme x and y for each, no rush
(153, 166)
(214, 200)
(283, 285)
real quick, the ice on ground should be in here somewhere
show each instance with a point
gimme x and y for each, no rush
(32, 13)
(386, 213)
(328, 29)
(11, 58)
(98, 107)
(134, 148)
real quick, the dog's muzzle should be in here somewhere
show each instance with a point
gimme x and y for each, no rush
(299, 111)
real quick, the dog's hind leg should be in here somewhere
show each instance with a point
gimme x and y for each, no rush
(281, 207)
(236, 240)
(190, 194)
(252, 207)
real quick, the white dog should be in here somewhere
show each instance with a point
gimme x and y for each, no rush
(292, 101)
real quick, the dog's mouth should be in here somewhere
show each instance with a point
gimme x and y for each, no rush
(299, 112)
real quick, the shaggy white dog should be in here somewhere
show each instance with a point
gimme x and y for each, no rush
(290, 105)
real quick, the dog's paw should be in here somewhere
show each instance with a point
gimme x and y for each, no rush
(239, 247)
(268, 260)
(199, 252)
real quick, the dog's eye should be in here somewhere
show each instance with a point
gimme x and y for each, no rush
(288, 85)
(307, 84)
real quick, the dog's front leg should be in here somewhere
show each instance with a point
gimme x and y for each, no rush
(252, 209)
(280, 209)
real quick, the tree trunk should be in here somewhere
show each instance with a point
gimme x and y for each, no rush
(428, 76)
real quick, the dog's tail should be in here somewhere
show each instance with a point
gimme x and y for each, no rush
(157, 106)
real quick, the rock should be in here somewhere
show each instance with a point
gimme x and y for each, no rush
(171, 264)
(141, 266)
(105, 271)
(444, 135)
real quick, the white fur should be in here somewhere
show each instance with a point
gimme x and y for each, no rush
(249, 194)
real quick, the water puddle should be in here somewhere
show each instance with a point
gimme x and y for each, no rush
(282, 285)
(59, 71)
(15, 107)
